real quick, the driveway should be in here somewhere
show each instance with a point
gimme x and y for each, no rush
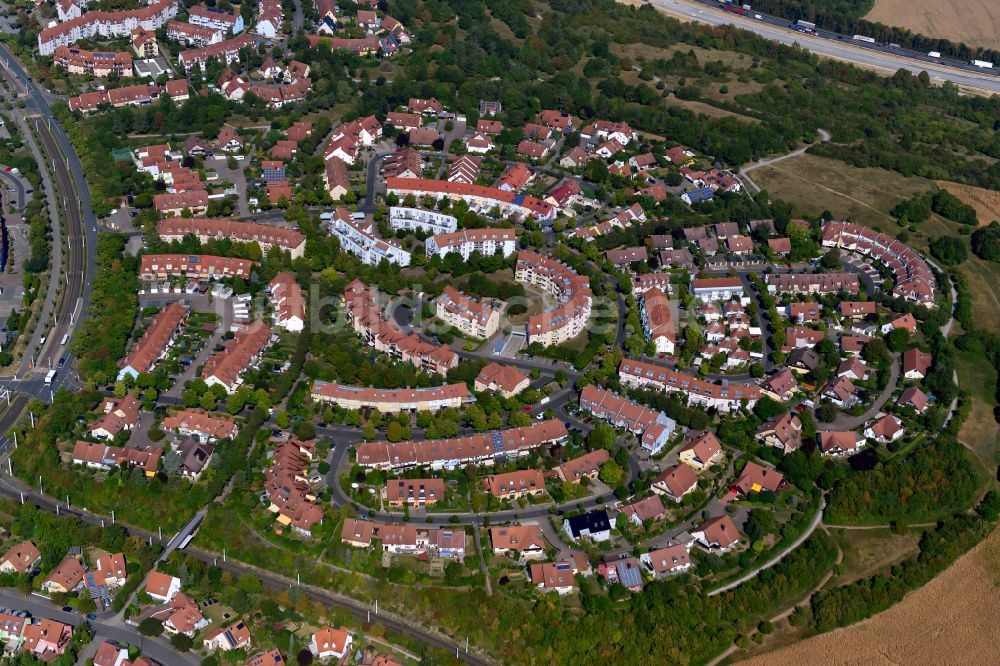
(848, 422)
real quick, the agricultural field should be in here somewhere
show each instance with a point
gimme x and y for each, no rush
(975, 22)
(952, 615)
(986, 202)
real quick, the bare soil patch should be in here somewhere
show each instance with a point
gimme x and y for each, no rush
(986, 202)
(974, 22)
(951, 618)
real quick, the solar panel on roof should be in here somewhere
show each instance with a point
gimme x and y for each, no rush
(498, 446)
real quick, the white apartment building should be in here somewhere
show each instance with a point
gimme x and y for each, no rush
(419, 219)
(106, 25)
(358, 236)
(484, 241)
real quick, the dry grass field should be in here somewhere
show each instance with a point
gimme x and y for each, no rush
(951, 620)
(816, 184)
(975, 22)
(986, 202)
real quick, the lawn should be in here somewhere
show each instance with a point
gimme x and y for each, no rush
(868, 551)
(980, 433)
(815, 184)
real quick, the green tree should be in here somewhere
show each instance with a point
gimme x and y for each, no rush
(150, 627)
(949, 250)
(611, 473)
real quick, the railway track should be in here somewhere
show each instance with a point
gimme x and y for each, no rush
(74, 240)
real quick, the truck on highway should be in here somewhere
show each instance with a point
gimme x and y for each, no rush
(863, 38)
(49, 378)
(734, 8)
(805, 26)
(984, 64)
(933, 54)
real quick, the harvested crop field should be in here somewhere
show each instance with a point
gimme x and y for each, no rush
(974, 22)
(986, 202)
(950, 620)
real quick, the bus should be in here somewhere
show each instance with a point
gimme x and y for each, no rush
(49, 378)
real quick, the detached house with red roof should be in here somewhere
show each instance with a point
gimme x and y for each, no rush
(702, 452)
(717, 535)
(675, 482)
(329, 643)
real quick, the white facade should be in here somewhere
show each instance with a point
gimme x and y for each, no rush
(420, 219)
(106, 25)
(485, 241)
(359, 238)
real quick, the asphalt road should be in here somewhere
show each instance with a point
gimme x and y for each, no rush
(107, 629)
(13, 489)
(82, 224)
(827, 44)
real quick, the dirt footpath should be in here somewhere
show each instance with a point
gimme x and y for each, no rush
(951, 620)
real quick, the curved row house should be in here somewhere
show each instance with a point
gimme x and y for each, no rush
(154, 343)
(566, 320)
(287, 301)
(392, 401)
(194, 266)
(912, 277)
(639, 374)
(106, 25)
(448, 453)
(479, 197)
(364, 313)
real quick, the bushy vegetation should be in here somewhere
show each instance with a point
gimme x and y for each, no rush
(103, 336)
(949, 250)
(986, 242)
(938, 479)
(939, 547)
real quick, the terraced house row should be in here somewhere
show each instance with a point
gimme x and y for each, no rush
(569, 317)
(912, 277)
(392, 401)
(365, 315)
(448, 453)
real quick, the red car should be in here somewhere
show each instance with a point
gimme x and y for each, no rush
(527, 408)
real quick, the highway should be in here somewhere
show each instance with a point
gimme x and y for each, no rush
(832, 45)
